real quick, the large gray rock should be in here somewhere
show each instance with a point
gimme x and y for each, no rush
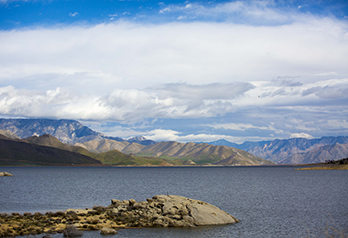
(170, 211)
(202, 213)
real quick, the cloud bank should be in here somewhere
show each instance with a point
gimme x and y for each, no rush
(123, 105)
(231, 70)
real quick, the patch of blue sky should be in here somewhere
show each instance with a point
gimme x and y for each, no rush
(18, 14)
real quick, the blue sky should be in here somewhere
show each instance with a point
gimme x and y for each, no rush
(178, 70)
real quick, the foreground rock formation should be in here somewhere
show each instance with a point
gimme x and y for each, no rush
(160, 211)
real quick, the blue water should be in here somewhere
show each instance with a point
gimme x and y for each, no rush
(269, 201)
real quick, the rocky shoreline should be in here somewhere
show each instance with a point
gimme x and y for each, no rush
(159, 211)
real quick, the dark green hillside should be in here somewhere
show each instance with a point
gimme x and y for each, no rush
(14, 152)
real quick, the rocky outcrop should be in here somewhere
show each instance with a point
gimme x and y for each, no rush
(170, 210)
(5, 174)
(159, 211)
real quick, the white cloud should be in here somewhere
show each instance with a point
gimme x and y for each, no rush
(198, 96)
(73, 14)
(123, 105)
(172, 135)
(342, 124)
(301, 135)
(237, 126)
(163, 135)
(254, 12)
(132, 55)
(329, 89)
(302, 125)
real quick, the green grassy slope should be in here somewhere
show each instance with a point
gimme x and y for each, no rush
(115, 157)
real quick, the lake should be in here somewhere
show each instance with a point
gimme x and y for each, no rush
(270, 201)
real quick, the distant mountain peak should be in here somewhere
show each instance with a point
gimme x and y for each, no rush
(141, 140)
(67, 131)
(137, 138)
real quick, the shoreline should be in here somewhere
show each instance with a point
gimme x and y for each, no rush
(325, 167)
(148, 166)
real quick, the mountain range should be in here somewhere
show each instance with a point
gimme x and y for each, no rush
(67, 131)
(222, 152)
(320, 154)
(34, 150)
(294, 150)
(197, 153)
(47, 150)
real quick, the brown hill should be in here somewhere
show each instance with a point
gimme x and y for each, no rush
(111, 157)
(16, 152)
(51, 141)
(198, 153)
(46, 150)
(202, 153)
(104, 145)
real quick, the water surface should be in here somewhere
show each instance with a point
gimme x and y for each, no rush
(269, 201)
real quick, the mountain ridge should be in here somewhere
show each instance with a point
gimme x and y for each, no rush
(319, 155)
(198, 153)
(279, 150)
(75, 133)
(67, 131)
(47, 150)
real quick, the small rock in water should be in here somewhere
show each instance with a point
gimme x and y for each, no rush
(71, 231)
(5, 174)
(108, 231)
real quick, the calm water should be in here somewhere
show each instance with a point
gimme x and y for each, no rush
(269, 201)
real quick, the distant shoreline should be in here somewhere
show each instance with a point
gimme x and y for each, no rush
(149, 166)
(326, 167)
(306, 166)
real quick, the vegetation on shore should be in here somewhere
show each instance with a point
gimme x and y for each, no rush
(329, 165)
